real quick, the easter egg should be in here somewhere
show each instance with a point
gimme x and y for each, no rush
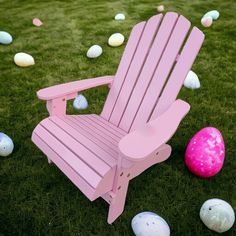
(217, 215)
(207, 21)
(5, 38)
(94, 51)
(205, 152)
(23, 59)
(80, 102)
(191, 81)
(119, 16)
(214, 14)
(160, 8)
(149, 224)
(37, 22)
(115, 40)
(6, 145)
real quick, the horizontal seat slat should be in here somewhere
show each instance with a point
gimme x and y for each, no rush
(105, 122)
(108, 147)
(103, 126)
(89, 175)
(89, 158)
(99, 135)
(84, 187)
(101, 154)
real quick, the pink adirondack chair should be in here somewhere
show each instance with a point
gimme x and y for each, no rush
(100, 154)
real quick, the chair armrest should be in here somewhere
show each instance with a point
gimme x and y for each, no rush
(69, 90)
(145, 141)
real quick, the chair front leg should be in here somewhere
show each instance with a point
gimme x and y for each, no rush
(57, 106)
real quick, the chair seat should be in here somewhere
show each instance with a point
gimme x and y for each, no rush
(84, 147)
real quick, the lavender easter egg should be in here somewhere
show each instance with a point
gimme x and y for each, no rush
(6, 145)
(205, 152)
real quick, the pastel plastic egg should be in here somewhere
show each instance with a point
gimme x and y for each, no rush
(120, 16)
(23, 59)
(191, 81)
(149, 224)
(214, 14)
(205, 152)
(207, 21)
(6, 145)
(5, 38)
(94, 51)
(37, 22)
(80, 102)
(160, 8)
(115, 40)
(217, 215)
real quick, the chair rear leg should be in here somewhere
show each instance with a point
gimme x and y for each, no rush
(117, 202)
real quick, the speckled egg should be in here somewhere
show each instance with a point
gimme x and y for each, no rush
(217, 215)
(149, 224)
(205, 152)
(80, 102)
(6, 145)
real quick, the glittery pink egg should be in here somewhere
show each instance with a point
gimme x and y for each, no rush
(205, 152)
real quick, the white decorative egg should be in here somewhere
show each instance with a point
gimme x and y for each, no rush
(23, 59)
(120, 16)
(94, 51)
(115, 40)
(80, 102)
(217, 215)
(149, 224)
(6, 145)
(160, 8)
(214, 14)
(5, 38)
(191, 81)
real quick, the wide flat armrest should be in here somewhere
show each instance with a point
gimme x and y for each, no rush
(72, 88)
(142, 142)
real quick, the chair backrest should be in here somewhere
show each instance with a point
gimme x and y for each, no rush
(150, 76)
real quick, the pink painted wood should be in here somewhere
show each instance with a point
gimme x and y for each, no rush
(101, 154)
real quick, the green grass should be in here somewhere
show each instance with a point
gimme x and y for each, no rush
(37, 199)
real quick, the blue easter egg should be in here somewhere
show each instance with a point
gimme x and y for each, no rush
(80, 102)
(6, 145)
(5, 38)
(214, 14)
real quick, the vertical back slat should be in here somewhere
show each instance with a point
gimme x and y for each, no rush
(148, 69)
(162, 71)
(175, 82)
(122, 69)
(135, 68)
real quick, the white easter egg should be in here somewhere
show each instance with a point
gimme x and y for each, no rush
(191, 81)
(160, 8)
(6, 145)
(217, 215)
(214, 14)
(94, 51)
(23, 59)
(5, 38)
(80, 102)
(149, 224)
(115, 40)
(120, 16)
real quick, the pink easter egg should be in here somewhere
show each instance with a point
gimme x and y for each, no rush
(37, 22)
(205, 152)
(207, 21)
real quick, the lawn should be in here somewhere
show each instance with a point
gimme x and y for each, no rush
(36, 198)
